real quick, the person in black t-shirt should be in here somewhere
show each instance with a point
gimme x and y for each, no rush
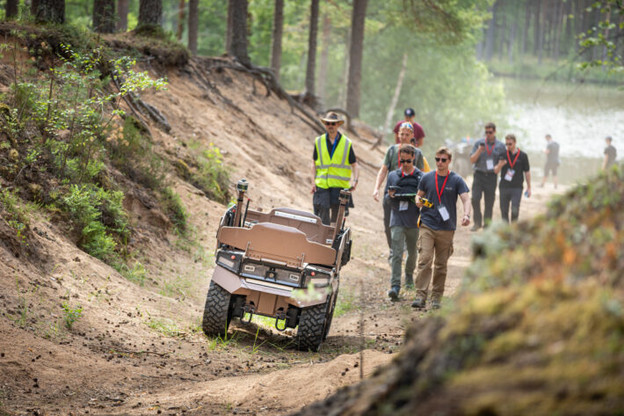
(403, 218)
(514, 168)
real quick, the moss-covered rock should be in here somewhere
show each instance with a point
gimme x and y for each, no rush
(538, 327)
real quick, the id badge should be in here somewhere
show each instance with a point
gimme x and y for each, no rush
(444, 213)
(509, 175)
(403, 205)
(489, 164)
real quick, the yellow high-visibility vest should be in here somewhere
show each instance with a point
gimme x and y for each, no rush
(335, 171)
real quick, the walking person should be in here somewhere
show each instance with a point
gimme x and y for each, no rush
(514, 169)
(610, 154)
(390, 163)
(419, 133)
(552, 160)
(437, 226)
(484, 155)
(334, 168)
(403, 219)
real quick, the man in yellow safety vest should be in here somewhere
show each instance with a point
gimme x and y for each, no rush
(334, 168)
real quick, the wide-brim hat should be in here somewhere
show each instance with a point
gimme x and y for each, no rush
(331, 116)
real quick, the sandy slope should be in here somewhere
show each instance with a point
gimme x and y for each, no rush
(137, 349)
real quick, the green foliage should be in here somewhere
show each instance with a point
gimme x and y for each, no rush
(16, 215)
(89, 206)
(71, 314)
(172, 204)
(212, 176)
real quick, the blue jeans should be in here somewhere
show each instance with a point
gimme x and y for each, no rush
(511, 196)
(408, 237)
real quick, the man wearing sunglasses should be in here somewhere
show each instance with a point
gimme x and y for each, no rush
(334, 168)
(390, 163)
(403, 219)
(514, 168)
(437, 226)
(485, 155)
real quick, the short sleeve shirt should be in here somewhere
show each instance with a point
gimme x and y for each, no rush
(611, 154)
(553, 152)
(492, 152)
(404, 213)
(419, 133)
(391, 160)
(455, 186)
(520, 167)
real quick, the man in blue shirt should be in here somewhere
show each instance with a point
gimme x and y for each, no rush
(437, 226)
(403, 218)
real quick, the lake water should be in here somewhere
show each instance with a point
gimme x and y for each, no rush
(577, 116)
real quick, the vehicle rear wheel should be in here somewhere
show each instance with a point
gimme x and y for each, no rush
(312, 324)
(218, 311)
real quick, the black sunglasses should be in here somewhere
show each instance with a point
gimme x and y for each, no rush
(330, 123)
(489, 131)
(406, 161)
(439, 159)
(508, 144)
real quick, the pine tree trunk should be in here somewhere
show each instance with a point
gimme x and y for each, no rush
(355, 57)
(276, 38)
(230, 25)
(489, 35)
(527, 24)
(311, 65)
(238, 47)
(193, 25)
(150, 12)
(104, 16)
(122, 15)
(181, 19)
(49, 11)
(324, 66)
(10, 9)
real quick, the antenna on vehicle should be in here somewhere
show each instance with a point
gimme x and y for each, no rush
(241, 187)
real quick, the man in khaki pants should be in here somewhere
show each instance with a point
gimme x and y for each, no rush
(437, 226)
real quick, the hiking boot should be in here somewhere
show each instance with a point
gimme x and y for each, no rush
(393, 294)
(435, 304)
(418, 303)
(409, 282)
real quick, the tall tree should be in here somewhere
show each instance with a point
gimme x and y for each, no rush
(276, 37)
(311, 66)
(181, 19)
(48, 11)
(238, 47)
(104, 16)
(193, 25)
(10, 9)
(150, 12)
(123, 7)
(229, 32)
(323, 67)
(355, 57)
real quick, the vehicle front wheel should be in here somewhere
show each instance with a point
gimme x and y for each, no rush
(312, 323)
(217, 312)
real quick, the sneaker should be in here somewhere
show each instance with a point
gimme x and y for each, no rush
(418, 304)
(393, 294)
(435, 304)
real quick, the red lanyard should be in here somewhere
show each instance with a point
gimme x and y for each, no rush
(511, 165)
(409, 174)
(443, 186)
(487, 149)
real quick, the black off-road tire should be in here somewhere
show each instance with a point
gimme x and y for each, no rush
(217, 312)
(311, 332)
(330, 313)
